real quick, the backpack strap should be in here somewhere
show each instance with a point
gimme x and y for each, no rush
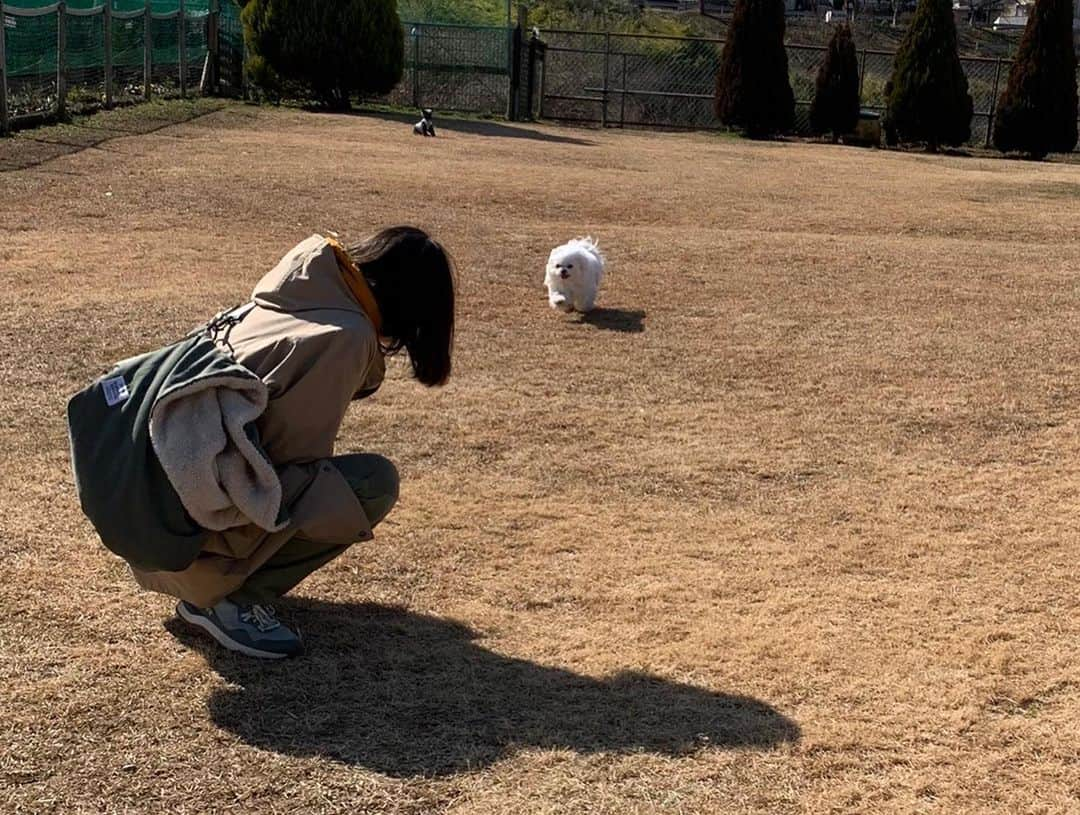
(221, 325)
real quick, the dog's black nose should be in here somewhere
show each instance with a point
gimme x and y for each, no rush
(563, 273)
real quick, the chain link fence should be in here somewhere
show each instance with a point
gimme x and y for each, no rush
(81, 68)
(228, 37)
(30, 64)
(803, 66)
(80, 54)
(128, 40)
(72, 57)
(625, 80)
(455, 67)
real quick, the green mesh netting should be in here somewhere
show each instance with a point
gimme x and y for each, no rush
(84, 72)
(36, 72)
(127, 42)
(164, 55)
(31, 41)
(157, 6)
(30, 47)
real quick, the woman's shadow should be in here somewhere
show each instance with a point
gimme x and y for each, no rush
(407, 694)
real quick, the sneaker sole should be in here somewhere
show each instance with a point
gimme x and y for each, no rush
(223, 638)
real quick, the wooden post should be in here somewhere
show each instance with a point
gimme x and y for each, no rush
(148, 49)
(107, 23)
(3, 74)
(993, 102)
(181, 54)
(61, 48)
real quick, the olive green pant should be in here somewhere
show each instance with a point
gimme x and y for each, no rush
(374, 479)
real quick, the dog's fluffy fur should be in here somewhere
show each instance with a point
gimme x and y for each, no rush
(573, 275)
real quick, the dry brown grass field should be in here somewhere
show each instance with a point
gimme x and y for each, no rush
(790, 525)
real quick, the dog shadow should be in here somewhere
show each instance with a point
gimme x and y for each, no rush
(476, 127)
(615, 319)
(408, 695)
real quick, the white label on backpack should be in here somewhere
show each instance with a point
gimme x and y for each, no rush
(116, 390)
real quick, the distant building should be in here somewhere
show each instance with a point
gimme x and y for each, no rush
(1004, 15)
(708, 6)
(1015, 15)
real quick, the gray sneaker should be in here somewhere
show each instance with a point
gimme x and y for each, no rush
(251, 630)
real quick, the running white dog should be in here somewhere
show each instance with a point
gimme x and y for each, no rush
(573, 275)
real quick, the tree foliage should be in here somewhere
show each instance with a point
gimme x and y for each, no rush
(929, 102)
(1037, 111)
(331, 48)
(836, 96)
(753, 91)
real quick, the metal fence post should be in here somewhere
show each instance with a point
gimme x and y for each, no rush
(61, 48)
(416, 65)
(148, 49)
(181, 52)
(244, 88)
(517, 51)
(513, 100)
(509, 65)
(543, 82)
(993, 102)
(862, 73)
(622, 100)
(3, 74)
(529, 86)
(607, 66)
(213, 46)
(107, 25)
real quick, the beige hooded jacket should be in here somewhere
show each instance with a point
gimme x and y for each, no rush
(316, 348)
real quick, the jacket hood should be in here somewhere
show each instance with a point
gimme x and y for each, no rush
(307, 278)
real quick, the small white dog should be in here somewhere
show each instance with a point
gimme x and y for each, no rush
(573, 275)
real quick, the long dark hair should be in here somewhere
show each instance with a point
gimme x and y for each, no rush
(412, 278)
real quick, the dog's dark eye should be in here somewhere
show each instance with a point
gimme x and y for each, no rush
(569, 266)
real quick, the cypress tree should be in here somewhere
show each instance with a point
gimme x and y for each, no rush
(331, 48)
(836, 95)
(929, 102)
(753, 92)
(1037, 111)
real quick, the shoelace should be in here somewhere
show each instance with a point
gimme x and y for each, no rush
(262, 617)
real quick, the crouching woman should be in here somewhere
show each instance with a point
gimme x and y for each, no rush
(316, 334)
